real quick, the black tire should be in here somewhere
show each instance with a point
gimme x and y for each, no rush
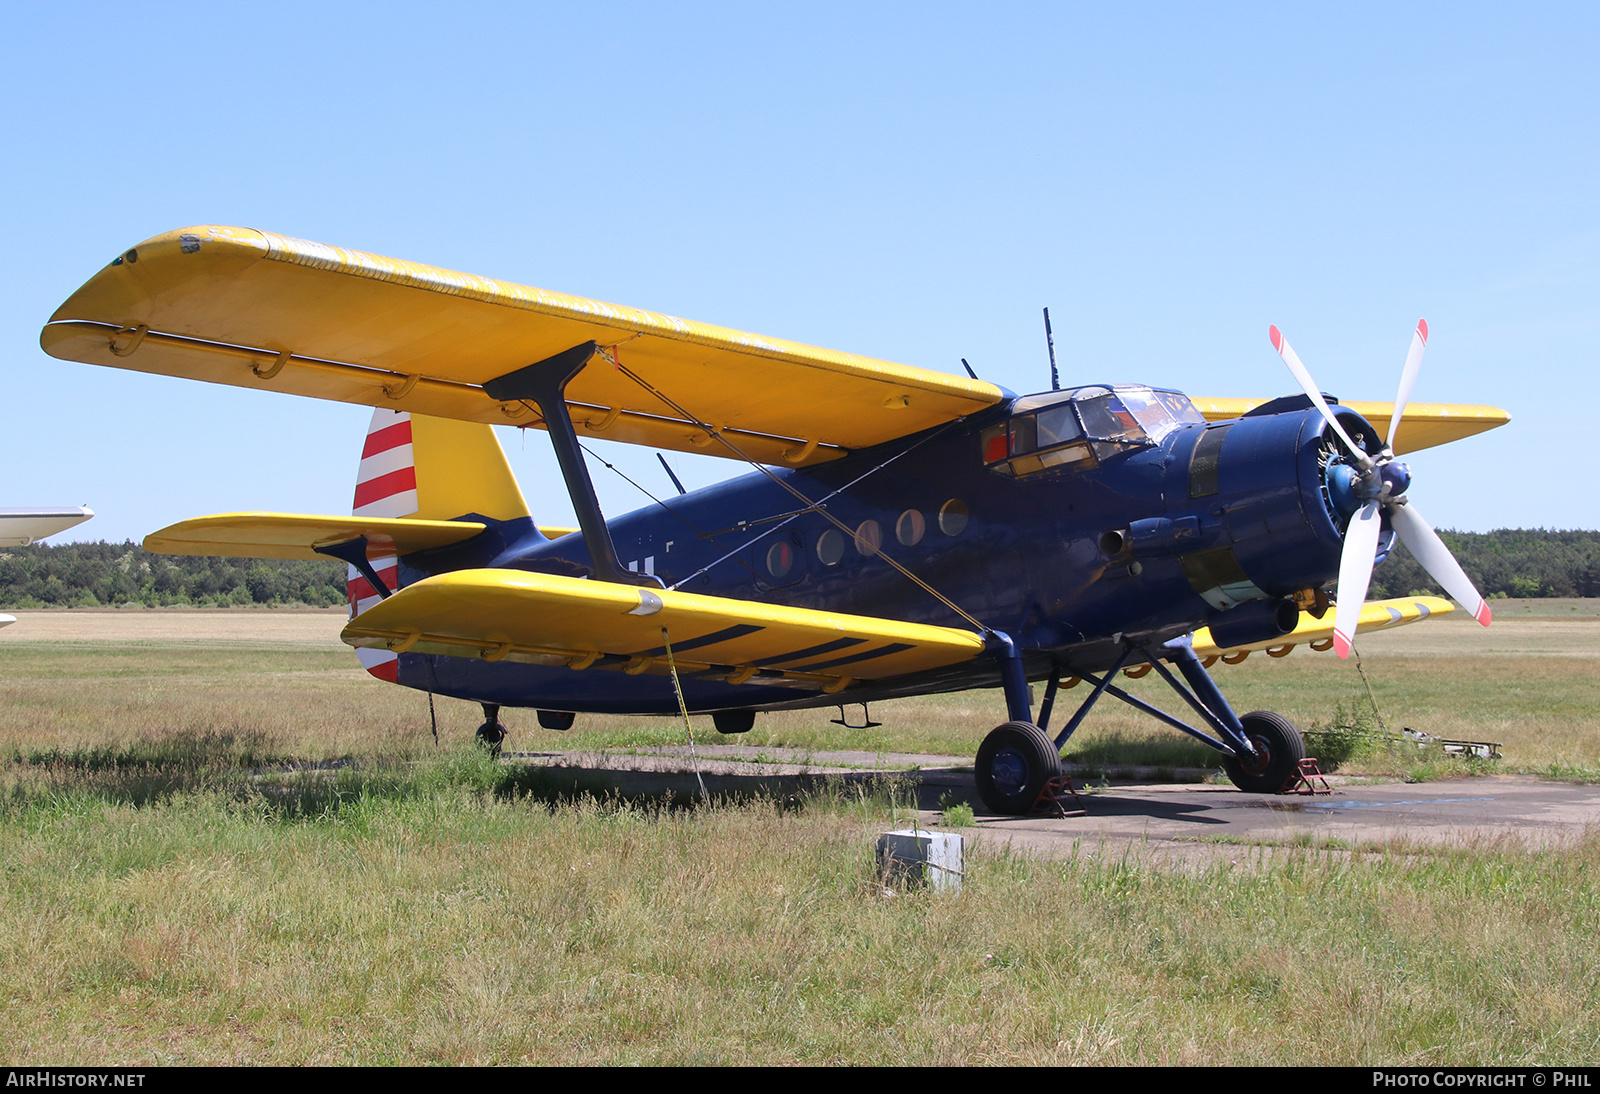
(1280, 751)
(1014, 763)
(490, 736)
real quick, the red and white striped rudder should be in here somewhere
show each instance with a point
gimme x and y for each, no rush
(386, 486)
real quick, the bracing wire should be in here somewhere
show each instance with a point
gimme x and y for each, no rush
(683, 708)
(714, 432)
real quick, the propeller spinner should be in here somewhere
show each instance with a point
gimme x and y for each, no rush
(1378, 484)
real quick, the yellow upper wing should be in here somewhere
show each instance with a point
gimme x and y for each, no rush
(253, 309)
(1424, 424)
(545, 619)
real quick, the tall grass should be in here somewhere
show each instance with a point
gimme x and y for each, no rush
(436, 914)
(212, 856)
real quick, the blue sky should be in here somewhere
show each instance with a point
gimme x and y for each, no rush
(908, 181)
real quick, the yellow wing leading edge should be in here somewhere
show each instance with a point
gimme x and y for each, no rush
(551, 620)
(254, 309)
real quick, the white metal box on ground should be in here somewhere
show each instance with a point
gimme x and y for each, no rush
(922, 858)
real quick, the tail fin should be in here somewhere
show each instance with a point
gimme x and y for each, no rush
(427, 469)
(434, 469)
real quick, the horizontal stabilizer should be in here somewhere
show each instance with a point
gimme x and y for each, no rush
(549, 620)
(292, 535)
(1318, 633)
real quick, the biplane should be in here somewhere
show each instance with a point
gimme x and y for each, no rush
(900, 531)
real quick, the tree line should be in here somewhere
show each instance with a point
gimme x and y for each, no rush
(1520, 562)
(90, 575)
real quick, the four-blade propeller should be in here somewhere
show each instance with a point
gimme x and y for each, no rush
(1380, 483)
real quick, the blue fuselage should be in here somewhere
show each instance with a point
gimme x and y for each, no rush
(1139, 544)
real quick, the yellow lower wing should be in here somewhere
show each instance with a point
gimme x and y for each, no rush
(549, 620)
(1318, 633)
(291, 535)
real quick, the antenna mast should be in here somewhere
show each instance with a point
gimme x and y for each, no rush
(1050, 340)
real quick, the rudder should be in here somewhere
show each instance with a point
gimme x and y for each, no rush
(426, 469)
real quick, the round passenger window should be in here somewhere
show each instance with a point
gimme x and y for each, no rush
(830, 547)
(780, 559)
(869, 538)
(953, 517)
(910, 527)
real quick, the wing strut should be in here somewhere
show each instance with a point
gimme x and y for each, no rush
(545, 384)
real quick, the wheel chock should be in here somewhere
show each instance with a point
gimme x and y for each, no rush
(1055, 795)
(1307, 779)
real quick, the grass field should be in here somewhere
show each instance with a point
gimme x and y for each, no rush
(222, 843)
(279, 685)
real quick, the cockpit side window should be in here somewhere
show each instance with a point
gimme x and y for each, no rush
(1107, 418)
(1083, 426)
(1058, 425)
(1183, 411)
(1029, 443)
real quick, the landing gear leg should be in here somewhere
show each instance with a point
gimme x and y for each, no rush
(491, 734)
(1263, 750)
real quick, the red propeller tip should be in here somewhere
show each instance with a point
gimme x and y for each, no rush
(1341, 644)
(1277, 338)
(1422, 330)
(1484, 616)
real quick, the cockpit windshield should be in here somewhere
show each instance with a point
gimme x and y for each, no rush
(1083, 426)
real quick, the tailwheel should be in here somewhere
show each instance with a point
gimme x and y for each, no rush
(1279, 750)
(491, 734)
(1015, 763)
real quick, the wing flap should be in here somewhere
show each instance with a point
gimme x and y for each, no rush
(228, 304)
(293, 535)
(547, 619)
(1424, 425)
(1375, 616)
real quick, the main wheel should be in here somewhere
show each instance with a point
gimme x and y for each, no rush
(1279, 750)
(1014, 763)
(490, 736)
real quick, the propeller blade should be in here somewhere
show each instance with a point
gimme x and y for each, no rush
(1408, 379)
(1355, 574)
(1303, 375)
(1429, 550)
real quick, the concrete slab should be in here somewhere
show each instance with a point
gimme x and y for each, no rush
(1173, 819)
(1188, 821)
